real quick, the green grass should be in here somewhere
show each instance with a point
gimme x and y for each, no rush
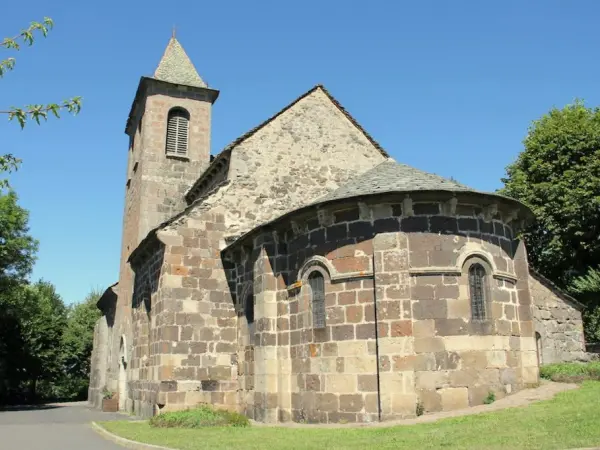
(203, 416)
(571, 372)
(570, 420)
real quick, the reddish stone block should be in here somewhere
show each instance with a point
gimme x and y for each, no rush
(347, 298)
(354, 314)
(401, 328)
(179, 270)
(352, 264)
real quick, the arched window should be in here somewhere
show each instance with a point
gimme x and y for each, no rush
(177, 132)
(317, 290)
(477, 290)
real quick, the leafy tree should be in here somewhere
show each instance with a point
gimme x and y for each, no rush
(43, 320)
(558, 176)
(77, 342)
(587, 288)
(36, 112)
(17, 247)
(17, 255)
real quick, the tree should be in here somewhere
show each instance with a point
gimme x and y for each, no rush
(587, 288)
(558, 176)
(17, 247)
(43, 320)
(9, 162)
(77, 342)
(17, 255)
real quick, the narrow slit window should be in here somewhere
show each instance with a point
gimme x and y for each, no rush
(177, 132)
(317, 289)
(249, 309)
(477, 291)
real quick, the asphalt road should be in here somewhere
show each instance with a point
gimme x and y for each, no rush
(61, 426)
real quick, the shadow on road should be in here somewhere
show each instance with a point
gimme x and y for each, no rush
(7, 408)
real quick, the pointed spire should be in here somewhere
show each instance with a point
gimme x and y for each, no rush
(176, 67)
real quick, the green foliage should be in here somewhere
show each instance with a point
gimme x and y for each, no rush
(17, 249)
(202, 416)
(587, 288)
(558, 176)
(588, 283)
(76, 346)
(35, 112)
(420, 410)
(33, 319)
(571, 372)
(106, 394)
(491, 398)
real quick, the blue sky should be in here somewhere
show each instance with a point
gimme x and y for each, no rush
(448, 87)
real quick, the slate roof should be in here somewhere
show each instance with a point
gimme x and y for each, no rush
(390, 176)
(176, 67)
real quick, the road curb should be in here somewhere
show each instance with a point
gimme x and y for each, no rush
(125, 442)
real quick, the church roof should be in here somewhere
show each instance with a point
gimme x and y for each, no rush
(390, 176)
(176, 67)
(385, 178)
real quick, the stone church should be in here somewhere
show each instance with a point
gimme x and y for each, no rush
(301, 274)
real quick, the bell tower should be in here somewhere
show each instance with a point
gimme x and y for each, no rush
(169, 129)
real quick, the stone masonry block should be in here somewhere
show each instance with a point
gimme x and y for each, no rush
(454, 398)
(430, 309)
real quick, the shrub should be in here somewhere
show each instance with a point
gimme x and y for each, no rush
(202, 416)
(571, 372)
(106, 394)
(420, 409)
(491, 398)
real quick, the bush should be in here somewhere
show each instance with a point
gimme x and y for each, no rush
(491, 398)
(202, 416)
(571, 372)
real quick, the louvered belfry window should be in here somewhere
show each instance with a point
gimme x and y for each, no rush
(477, 291)
(317, 289)
(178, 132)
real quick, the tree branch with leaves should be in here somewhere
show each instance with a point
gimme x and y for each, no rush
(35, 112)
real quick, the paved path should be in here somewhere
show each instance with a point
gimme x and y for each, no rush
(60, 426)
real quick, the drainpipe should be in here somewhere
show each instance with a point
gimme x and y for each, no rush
(376, 340)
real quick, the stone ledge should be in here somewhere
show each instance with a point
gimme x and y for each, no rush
(125, 442)
(457, 271)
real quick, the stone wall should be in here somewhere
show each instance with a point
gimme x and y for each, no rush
(143, 364)
(98, 362)
(558, 323)
(193, 319)
(416, 343)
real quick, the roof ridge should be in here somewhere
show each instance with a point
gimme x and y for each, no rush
(390, 175)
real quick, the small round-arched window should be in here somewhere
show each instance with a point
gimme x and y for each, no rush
(477, 291)
(177, 132)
